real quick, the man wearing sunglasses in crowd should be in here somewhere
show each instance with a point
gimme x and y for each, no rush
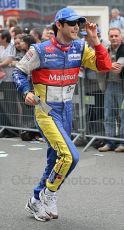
(55, 66)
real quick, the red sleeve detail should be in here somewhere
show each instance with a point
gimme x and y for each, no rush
(103, 61)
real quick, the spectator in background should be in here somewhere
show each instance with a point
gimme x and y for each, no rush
(14, 31)
(26, 41)
(90, 74)
(22, 44)
(36, 33)
(47, 32)
(11, 22)
(26, 113)
(7, 53)
(87, 39)
(26, 30)
(114, 94)
(26, 118)
(93, 84)
(8, 109)
(19, 52)
(116, 21)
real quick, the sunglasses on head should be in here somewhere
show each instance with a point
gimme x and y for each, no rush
(71, 23)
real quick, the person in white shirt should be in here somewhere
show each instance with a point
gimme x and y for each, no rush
(8, 108)
(7, 54)
(116, 20)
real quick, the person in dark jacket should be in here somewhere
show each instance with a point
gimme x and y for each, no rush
(114, 94)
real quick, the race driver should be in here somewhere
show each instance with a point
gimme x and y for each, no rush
(55, 66)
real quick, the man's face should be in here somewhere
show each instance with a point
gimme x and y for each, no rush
(70, 30)
(47, 33)
(115, 38)
(33, 35)
(114, 14)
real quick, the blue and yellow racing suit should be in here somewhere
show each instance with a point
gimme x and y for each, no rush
(55, 71)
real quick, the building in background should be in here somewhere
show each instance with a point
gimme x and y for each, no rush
(26, 14)
(25, 18)
(49, 8)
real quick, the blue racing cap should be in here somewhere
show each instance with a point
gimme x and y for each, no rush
(98, 30)
(68, 14)
(84, 32)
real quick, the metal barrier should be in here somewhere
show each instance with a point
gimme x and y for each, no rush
(79, 121)
(15, 115)
(92, 117)
(104, 110)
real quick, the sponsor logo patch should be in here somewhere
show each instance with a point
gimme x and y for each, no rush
(49, 49)
(61, 77)
(53, 176)
(74, 57)
(70, 88)
(51, 55)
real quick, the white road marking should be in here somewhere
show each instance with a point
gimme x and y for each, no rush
(3, 155)
(18, 145)
(34, 149)
(9, 139)
(98, 154)
(34, 142)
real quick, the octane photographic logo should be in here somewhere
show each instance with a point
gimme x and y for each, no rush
(6, 4)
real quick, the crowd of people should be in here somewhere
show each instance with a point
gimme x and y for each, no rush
(14, 43)
(111, 84)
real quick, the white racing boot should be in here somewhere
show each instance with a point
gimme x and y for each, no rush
(37, 209)
(50, 201)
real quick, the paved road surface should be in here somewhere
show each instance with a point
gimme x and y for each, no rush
(92, 198)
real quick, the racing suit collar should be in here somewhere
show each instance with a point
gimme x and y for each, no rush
(59, 45)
